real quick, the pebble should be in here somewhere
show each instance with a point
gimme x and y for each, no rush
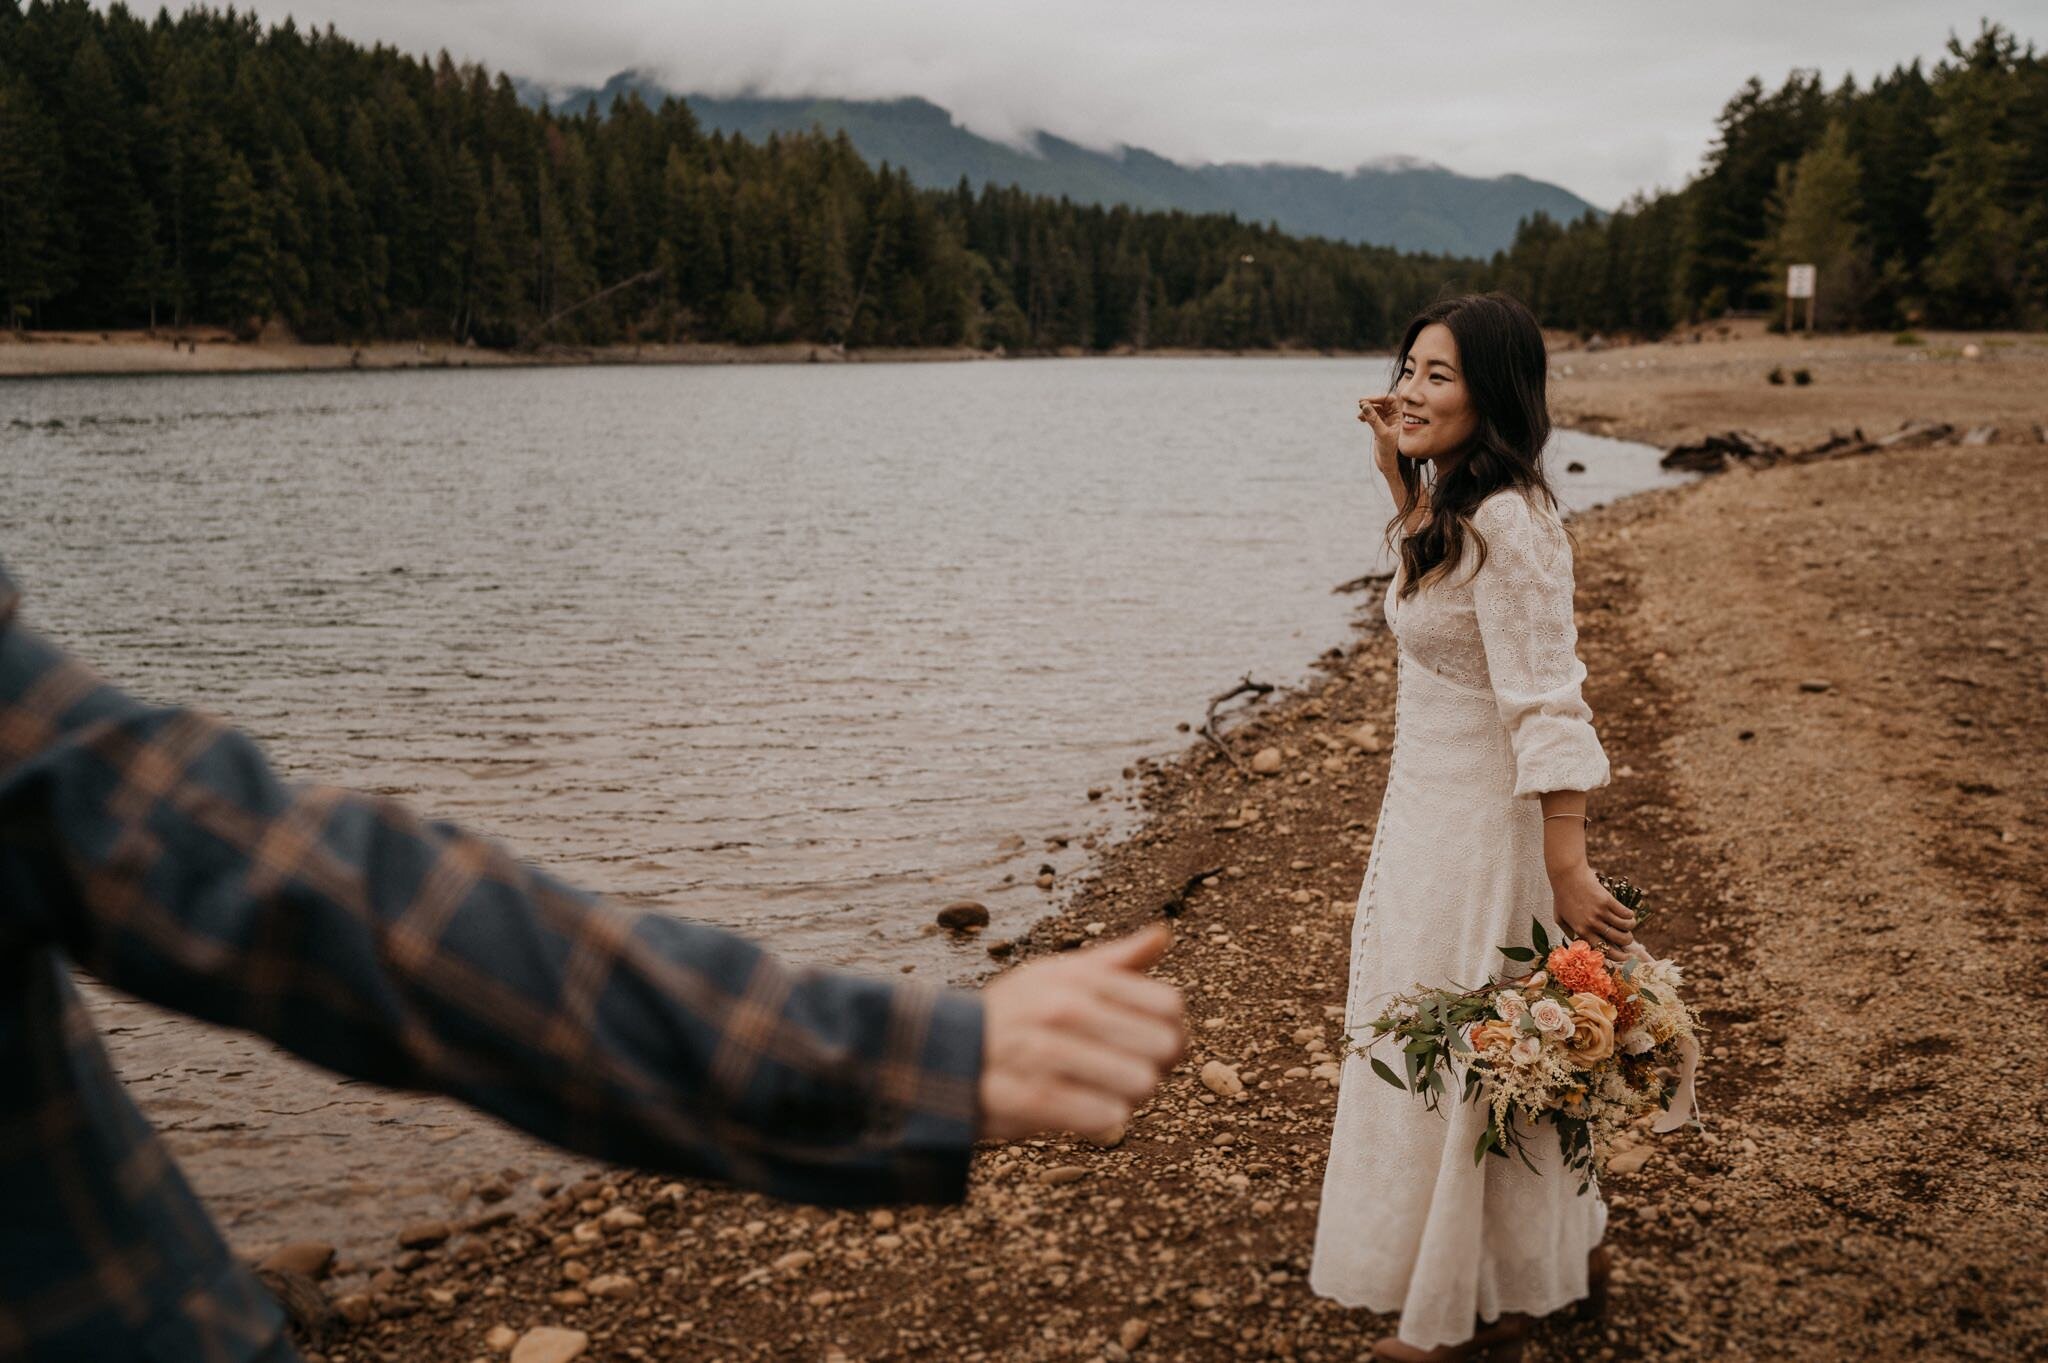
(1064, 1173)
(1221, 1079)
(423, 1235)
(1629, 1162)
(882, 1219)
(961, 916)
(794, 1261)
(550, 1344)
(308, 1258)
(1132, 1333)
(620, 1219)
(1816, 684)
(1266, 761)
(501, 1339)
(569, 1298)
(614, 1285)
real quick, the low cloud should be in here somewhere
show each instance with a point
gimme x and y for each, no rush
(1603, 96)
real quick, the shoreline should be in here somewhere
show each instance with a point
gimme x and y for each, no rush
(205, 351)
(1591, 364)
(1189, 1238)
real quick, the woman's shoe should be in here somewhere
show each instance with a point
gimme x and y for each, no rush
(1500, 1342)
(1599, 1273)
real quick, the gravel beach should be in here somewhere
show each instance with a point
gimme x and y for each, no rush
(1821, 686)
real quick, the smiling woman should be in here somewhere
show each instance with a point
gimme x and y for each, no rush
(1494, 750)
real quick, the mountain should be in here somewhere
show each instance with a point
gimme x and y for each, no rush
(1398, 201)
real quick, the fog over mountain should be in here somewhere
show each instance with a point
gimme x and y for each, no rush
(1399, 201)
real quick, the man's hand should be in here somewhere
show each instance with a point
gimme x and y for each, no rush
(1074, 1043)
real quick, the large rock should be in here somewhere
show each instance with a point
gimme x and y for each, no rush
(550, 1344)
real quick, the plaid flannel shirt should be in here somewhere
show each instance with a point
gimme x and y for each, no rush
(156, 849)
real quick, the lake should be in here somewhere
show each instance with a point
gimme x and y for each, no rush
(808, 651)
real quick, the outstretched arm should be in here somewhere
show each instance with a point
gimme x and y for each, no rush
(157, 847)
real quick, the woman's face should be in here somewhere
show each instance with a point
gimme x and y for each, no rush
(1435, 406)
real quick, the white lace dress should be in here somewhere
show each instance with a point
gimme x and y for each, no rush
(1488, 715)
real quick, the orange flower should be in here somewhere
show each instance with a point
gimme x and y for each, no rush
(1592, 1038)
(1485, 1035)
(1582, 970)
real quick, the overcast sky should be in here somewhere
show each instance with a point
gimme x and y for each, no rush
(1604, 97)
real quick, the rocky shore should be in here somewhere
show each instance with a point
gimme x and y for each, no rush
(1821, 687)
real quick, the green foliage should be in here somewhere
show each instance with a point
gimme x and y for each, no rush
(202, 166)
(1922, 200)
(1812, 218)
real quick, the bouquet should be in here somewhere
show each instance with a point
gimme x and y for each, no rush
(1584, 1043)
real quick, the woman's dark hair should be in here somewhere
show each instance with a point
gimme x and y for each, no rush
(1501, 355)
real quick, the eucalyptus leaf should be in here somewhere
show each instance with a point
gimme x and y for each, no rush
(1380, 1068)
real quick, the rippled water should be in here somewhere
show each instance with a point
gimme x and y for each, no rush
(803, 650)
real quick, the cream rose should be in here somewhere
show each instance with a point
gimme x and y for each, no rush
(1526, 1051)
(1511, 1007)
(1551, 1018)
(1592, 1030)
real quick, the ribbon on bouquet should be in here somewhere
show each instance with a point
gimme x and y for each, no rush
(1684, 1106)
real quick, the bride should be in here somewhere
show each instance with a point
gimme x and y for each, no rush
(1482, 829)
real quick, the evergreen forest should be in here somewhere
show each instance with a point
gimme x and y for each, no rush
(201, 168)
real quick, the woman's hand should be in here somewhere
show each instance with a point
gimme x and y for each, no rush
(1588, 912)
(1380, 414)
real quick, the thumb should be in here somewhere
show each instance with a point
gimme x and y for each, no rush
(1137, 952)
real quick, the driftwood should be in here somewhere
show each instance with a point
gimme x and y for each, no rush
(1176, 903)
(1717, 452)
(1362, 584)
(1245, 686)
(644, 277)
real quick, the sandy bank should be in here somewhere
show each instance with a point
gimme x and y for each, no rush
(78, 354)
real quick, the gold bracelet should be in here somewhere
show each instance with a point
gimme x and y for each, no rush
(1548, 817)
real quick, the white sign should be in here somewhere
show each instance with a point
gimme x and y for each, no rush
(1799, 281)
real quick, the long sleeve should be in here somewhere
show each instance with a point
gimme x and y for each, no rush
(157, 848)
(1522, 596)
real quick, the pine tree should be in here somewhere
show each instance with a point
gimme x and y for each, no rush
(100, 191)
(1976, 248)
(243, 250)
(34, 266)
(1813, 219)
